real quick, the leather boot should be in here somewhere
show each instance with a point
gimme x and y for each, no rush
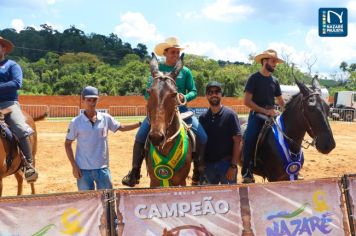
(134, 175)
(30, 172)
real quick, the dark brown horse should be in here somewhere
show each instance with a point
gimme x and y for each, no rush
(9, 167)
(169, 156)
(306, 112)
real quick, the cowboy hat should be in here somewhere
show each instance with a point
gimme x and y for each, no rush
(6, 44)
(170, 42)
(270, 53)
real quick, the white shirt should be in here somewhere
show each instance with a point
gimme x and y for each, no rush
(92, 150)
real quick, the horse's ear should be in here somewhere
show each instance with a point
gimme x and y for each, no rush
(154, 66)
(303, 88)
(179, 65)
(315, 84)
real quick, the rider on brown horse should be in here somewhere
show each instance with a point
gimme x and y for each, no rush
(186, 87)
(10, 82)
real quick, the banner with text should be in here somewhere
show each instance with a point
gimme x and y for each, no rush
(352, 189)
(65, 214)
(297, 208)
(184, 211)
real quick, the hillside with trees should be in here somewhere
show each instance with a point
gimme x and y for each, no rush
(56, 63)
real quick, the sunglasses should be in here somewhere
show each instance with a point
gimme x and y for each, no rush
(91, 99)
(215, 91)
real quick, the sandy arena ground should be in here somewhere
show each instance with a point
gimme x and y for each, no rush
(56, 173)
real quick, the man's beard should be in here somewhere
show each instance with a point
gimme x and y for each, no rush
(269, 68)
(214, 101)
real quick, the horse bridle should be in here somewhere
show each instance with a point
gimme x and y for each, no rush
(309, 128)
(174, 113)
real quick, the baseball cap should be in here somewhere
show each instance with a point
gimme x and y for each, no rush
(213, 84)
(90, 92)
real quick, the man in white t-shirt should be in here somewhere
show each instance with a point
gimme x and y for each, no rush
(91, 163)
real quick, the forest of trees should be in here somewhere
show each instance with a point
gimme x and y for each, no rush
(56, 63)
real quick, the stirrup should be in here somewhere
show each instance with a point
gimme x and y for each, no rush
(248, 180)
(30, 173)
(131, 179)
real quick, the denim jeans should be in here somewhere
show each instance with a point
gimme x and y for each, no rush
(254, 127)
(215, 172)
(101, 178)
(196, 127)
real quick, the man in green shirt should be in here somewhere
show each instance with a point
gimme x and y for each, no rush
(170, 49)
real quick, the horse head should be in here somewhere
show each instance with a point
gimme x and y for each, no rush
(163, 101)
(315, 113)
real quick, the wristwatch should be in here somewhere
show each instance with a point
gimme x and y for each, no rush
(139, 124)
(233, 166)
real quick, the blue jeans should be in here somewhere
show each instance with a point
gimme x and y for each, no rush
(254, 127)
(101, 178)
(215, 172)
(197, 128)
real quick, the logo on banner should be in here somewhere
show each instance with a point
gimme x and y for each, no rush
(307, 219)
(333, 22)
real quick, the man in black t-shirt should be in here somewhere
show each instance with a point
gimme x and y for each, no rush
(224, 138)
(260, 92)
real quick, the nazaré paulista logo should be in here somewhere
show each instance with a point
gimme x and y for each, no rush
(333, 22)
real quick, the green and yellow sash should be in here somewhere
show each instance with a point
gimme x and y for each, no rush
(165, 166)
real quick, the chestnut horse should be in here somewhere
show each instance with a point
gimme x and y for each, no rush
(169, 157)
(10, 157)
(305, 112)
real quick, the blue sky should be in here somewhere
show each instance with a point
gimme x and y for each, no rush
(219, 29)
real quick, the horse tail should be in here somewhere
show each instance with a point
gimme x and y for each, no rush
(41, 117)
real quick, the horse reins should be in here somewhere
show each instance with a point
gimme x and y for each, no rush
(309, 128)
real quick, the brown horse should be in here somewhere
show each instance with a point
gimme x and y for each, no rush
(8, 167)
(170, 155)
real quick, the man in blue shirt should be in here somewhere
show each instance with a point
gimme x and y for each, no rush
(90, 166)
(10, 82)
(224, 138)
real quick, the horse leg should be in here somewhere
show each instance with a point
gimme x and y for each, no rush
(19, 179)
(33, 190)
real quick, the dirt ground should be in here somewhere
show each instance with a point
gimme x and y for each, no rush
(56, 174)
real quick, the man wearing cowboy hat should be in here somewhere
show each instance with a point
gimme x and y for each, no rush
(170, 49)
(260, 92)
(10, 82)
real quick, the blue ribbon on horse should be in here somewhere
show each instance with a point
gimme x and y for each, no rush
(292, 161)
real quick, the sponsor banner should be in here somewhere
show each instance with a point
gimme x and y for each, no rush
(66, 214)
(184, 211)
(352, 189)
(297, 208)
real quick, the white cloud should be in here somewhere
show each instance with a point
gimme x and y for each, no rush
(226, 10)
(135, 26)
(221, 10)
(51, 2)
(17, 24)
(232, 53)
(329, 52)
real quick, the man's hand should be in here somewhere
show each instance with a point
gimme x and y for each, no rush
(231, 174)
(182, 99)
(271, 112)
(76, 172)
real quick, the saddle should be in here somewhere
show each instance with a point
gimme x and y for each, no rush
(9, 140)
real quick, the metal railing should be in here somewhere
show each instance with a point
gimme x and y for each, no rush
(338, 114)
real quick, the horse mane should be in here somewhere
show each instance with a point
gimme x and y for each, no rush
(292, 101)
